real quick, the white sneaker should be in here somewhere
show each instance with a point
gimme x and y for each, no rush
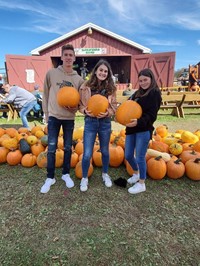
(133, 179)
(69, 182)
(84, 184)
(107, 180)
(48, 183)
(137, 188)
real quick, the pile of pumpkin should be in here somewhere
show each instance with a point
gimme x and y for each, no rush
(169, 154)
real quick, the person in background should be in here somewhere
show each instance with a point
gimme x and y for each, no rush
(38, 97)
(57, 116)
(139, 131)
(2, 96)
(100, 82)
(22, 99)
(129, 91)
(192, 79)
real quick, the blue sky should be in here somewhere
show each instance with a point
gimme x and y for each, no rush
(162, 26)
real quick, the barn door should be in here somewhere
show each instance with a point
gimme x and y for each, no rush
(162, 65)
(26, 71)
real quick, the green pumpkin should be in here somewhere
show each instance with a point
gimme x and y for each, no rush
(24, 147)
(44, 140)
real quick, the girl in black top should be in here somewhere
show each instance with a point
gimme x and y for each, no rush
(139, 131)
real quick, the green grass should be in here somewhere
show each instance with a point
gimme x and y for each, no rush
(100, 227)
(104, 226)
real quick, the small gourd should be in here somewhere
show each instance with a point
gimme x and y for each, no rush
(24, 147)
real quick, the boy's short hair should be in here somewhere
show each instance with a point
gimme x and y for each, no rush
(68, 47)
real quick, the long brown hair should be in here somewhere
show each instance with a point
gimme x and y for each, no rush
(147, 72)
(107, 84)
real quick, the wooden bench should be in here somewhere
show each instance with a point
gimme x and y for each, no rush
(191, 101)
(7, 108)
(121, 98)
(173, 102)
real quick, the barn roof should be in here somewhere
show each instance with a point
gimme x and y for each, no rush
(95, 27)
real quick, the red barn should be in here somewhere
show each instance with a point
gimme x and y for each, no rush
(91, 43)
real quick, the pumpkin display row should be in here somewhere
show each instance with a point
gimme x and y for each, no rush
(169, 154)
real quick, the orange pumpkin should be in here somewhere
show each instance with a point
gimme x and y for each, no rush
(37, 148)
(68, 96)
(97, 158)
(187, 155)
(35, 128)
(175, 169)
(192, 169)
(156, 168)
(28, 160)
(3, 154)
(97, 104)
(162, 130)
(2, 131)
(159, 146)
(128, 110)
(116, 155)
(196, 146)
(59, 158)
(129, 169)
(78, 170)
(79, 148)
(12, 132)
(14, 157)
(74, 159)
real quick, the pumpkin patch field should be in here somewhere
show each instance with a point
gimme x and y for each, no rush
(103, 226)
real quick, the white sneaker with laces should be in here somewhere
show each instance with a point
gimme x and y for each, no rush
(133, 179)
(107, 180)
(84, 184)
(69, 182)
(137, 188)
(48, 183)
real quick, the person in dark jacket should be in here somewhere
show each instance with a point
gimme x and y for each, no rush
(139, 131)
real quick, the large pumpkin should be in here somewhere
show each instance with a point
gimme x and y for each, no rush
(175, 169)
(28, 160)
(156, 168)
(78, 170)
(42, 159)
(128, 110)
(3, 154)
(68, 96)
(14, 157)
(97, 104)
(192, 168)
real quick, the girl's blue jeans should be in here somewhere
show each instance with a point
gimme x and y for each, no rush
(92, 127)
(54, 126)
(24, 111)
(135, 151)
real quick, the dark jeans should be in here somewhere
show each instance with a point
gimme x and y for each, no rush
(54, 126)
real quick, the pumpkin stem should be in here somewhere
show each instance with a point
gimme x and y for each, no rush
(158, 158)
(177, 161)
(197, 160)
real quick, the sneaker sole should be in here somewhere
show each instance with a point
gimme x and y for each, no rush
(83, 190)
(136, 192)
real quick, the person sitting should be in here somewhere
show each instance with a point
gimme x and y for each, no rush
(192, 79)
(38, 97)
(129, 91)
(195, 87)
